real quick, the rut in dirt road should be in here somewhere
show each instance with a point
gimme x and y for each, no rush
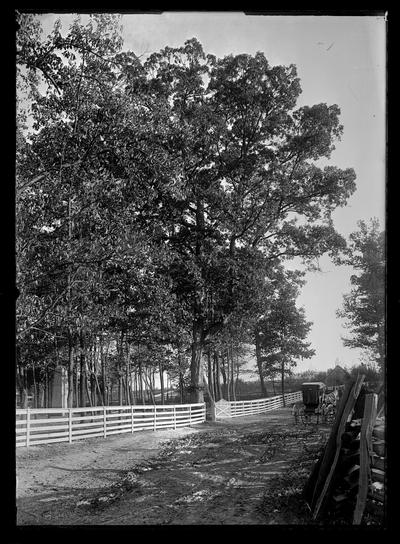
(218, 477)
(248, 470)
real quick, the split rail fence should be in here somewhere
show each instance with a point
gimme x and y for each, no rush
(225, 409)
(44, 426)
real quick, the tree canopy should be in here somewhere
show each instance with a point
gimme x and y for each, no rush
(364, 307)
(155, 197)
(281, 330)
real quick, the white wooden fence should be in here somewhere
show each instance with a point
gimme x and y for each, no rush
(44, 426)
(225, 409)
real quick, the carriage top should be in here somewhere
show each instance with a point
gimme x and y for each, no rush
(316, 402)
(312, 385)
(311, 393)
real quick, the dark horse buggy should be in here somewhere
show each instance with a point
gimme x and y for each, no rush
(317, 403)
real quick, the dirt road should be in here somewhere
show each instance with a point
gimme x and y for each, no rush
(246, 470)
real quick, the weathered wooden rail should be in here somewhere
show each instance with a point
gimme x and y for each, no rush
(351, 469)
(44, 426)
(226, 409)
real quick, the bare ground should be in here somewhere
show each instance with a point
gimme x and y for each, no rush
(242, 471)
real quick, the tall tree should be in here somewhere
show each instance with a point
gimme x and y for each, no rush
(246, 180)
(206, 158)
(364, 307)
(281, 332)
(68, 196)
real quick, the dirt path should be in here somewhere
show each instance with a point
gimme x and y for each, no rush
(240, 471)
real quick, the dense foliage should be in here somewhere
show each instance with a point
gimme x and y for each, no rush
(156, 202)
(364, 307)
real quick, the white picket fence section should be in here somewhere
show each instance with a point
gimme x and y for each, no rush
(36, 426)
(225, 409)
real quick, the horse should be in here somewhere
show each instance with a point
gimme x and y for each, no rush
(326, 408)
(298, 410)
(328, 405)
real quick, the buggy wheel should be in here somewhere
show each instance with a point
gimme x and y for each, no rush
(331, 418)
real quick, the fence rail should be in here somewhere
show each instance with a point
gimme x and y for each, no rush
(35, 426)
(239, 408)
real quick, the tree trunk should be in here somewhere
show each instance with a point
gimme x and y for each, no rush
(141, 388)
(127, 386)
(210, 376)
(181, 380)
(228, 376)
(19, 385)
(147, 386)
(217, 376)
(90, 384)
(237, 377)
(232, 373)
(87, 390)
(196, 366)
(142, 401)
(49, 398)
(150, 389)
(120, 359)
(283, 381)
(76, 383)
(124, 386)
(260, 367)
(181, 391)
(99, 391)
(120, 386)
(198, 336)
(103, 372)
(70, 397)
(83, 384)
(127, 375)
(24, 400)
(131, 395)
(93, 373)
(135, 387)
(46, 389)
(161, 370)
(224, 378)
(35, 403)
(41, 395)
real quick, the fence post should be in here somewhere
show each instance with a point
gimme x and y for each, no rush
(105, 421)
(70, 424)
(190, 415)
(132, 417)
(174, 417)
(155, 417)
(212, 411)
(28, 425)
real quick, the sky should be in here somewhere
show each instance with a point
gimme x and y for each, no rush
(340, 60)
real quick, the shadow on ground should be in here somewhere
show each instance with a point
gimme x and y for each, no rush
(242, 472)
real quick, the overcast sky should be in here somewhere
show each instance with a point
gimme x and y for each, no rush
(340, 60)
